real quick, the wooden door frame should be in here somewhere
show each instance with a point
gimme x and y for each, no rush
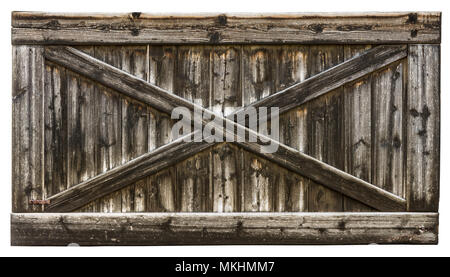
(417, 217)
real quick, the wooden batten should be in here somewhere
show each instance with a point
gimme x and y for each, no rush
(223, 228)
(141, 28)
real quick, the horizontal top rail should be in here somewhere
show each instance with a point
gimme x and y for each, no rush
(306, 28)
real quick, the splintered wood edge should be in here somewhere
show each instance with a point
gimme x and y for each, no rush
(223, 228)
(307, 28)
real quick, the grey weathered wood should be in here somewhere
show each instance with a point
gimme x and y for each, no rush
(258, 81)
(162, 187)
(124, 175)
(83, 129)
(123, 122)
(357, 106)
(323, 131)
(193, 83)
(291, 193)
(331, 177)
(348, 185)
(334, 77)
(226, 97)
(223, 228)
(358, 137)
(387, 129)
(55, 136)
(258, 184)
(27, 127)
(140, 28)
(161, 192)
(423, 128)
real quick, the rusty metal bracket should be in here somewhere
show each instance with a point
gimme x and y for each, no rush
(39, 202)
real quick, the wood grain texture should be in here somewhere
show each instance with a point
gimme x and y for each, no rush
(223, 228)
(423, 128)
(161, 188)
(291, 193)
(56, 130)
(324, 128)
(27, 127)
(387, 129)
(140, 28)
(358, 139)
(338, 73)
(158, 97)
(193, 83)
(258, 81)
(226, 97)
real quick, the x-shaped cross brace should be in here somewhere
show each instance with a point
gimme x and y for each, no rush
(178, 150)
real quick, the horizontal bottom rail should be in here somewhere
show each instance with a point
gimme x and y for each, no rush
(222, 228)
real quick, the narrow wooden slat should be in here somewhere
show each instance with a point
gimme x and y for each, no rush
(223, 228)
(387, 129)
(324, 132)
(225, 99)
(358, 138)
(193, 83)
(423, 128)
(55, 137)
(357, 106)
(161, 191)
(291, 193)
(161, 188)
(129, 84)
(259, 65)
(27, 127)
(83, 129)
(140, 28)
(193, 183)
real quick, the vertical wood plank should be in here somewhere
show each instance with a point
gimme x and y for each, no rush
(193, 82)
(140, 196)
(127, 199)
(193, 76)
(387, 129)
(291, 191)
(358, 139)
(225, 98)
(260, 177)
(325, 129)
(161, 188)
(135, 116)
(193, 179)
(55, 136)
(28, 122)
(110, 126)
(423, 127)
(82, 129)
(161, 191)
(259, 72)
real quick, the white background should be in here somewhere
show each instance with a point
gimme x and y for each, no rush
(194, 6)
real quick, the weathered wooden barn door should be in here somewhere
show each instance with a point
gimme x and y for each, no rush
(94, 161)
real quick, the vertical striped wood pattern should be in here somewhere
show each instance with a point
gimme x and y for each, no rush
(28, 127)
(360, 128)
(423, 130)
